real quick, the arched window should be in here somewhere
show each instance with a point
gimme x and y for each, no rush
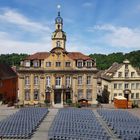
(58, 26)
(58, 44)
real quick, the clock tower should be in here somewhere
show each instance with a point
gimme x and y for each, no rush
(59, 36)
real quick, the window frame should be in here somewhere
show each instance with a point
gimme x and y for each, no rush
(36, 80)
(36, 91)
(80, 62)
(58, 64)
(27, 80)
(88, 80)
(80, 80)
(66, 64)
(48, 64)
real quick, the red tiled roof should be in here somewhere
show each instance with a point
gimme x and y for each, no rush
(78, 56)
(6, 72)
(72, 55)
(38, 55)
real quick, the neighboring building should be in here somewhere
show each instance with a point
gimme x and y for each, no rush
(58, 75)
(8, 84)
(122, 80)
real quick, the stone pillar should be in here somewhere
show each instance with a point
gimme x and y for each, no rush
(32, 88)
(41, 89)
(21, 91)
(94, 90)
(62, 97)
(74, 85)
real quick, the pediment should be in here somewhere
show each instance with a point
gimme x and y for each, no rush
(58, 50)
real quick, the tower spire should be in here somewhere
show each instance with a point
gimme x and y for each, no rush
(59, 36)
(58, 7)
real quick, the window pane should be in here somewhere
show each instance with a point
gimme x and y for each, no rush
(115, 86)
(132, 95)
(80, 93)
(68, 81)
(36, 95)
(89, 94)
(132, 85)
(67, 64)
(120, 74)
(36, 80)
(58, 81)
(119, 86)
(58, 64)
(88, 80)
(27, 95)
(48, 81)
(48, 64)
(27, 82)
(79, 80)
(137, 95)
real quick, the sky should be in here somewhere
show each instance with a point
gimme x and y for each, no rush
(91, 26)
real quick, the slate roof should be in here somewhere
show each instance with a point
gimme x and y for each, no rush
(6, 72)
(108, 74)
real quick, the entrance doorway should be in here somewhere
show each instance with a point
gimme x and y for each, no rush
(47, 97)
(68, 96)
(57, 97)
(126, 96)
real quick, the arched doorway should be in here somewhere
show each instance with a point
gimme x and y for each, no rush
(126, 93)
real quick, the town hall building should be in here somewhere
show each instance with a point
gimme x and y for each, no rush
(58, 75)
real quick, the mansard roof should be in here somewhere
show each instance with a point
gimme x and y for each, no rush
(44, 55)
(6, 72)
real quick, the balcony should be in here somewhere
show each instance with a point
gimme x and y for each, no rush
(61, 87)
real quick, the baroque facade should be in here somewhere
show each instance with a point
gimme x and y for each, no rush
(58, 75)
(121, 80)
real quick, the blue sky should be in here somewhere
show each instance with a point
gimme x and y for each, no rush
(92, 26)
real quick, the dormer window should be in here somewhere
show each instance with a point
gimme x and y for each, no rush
(58, 64)
(119, 74)
(132, 74)
(80, 63)
(48, 64)
(36, 63)
(67, 64)
(27, 63)
(58, 44)
(126, 74)
(89, 64)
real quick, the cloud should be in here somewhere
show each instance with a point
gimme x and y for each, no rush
(118, 36)
(29, 36)
(10, 45)
(13, 17)
(87, 4)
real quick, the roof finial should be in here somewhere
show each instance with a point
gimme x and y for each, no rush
(58, 6)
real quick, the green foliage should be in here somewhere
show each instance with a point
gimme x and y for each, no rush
(12, 59)
(69, 102)
(105, 61)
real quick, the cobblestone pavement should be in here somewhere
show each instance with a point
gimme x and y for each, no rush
(6, 111)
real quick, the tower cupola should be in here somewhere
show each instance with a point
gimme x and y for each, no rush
(59, 36)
